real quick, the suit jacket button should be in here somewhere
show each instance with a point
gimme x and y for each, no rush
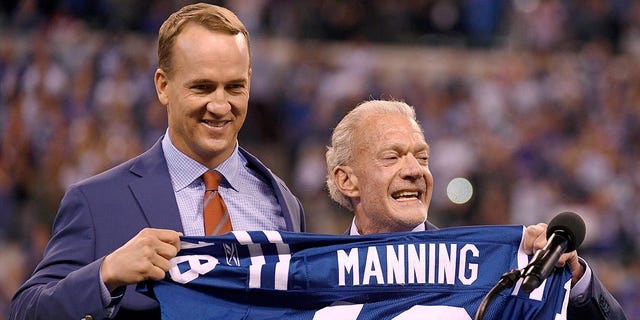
(87, 317)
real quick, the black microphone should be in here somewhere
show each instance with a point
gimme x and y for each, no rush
(564, 234)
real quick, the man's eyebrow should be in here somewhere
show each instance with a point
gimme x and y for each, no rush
(238, 81)
(198, 81)
(207, 81)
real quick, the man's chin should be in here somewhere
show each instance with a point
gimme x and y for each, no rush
(211, 150)
(410, 207)
(410, 219)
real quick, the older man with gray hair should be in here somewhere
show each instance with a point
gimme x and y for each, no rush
(378, 167)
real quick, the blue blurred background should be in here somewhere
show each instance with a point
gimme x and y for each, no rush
(535, 102)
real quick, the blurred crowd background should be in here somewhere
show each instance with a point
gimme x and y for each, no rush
(536, 102)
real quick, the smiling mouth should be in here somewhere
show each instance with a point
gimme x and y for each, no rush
(406, 195)
(215, 124)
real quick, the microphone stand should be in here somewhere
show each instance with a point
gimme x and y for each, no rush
(507, 280)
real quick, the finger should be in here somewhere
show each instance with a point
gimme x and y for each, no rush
(577, 269)
(540, 242)
(151, 266)
(156, 273)
(166, 251)
(158, 238)
(164, 235)
(563, 259)
(571, 258)
(574, 261)
(161, 263)
(532, 234)
(169, 236)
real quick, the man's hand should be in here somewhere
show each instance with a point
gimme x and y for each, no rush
(535, 238)
(144, 257)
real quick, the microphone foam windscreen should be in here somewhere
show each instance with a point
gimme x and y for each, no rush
(571, 225)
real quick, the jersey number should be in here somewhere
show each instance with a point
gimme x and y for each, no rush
(347, 311)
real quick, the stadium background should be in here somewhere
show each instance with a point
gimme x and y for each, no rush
(535, 102)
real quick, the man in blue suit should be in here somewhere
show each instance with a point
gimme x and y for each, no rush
(120, 228)
(378, 167)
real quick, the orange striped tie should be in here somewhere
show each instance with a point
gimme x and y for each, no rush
(216, 216)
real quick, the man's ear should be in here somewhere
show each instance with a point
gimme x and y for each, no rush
(161, 81)
(346, 181)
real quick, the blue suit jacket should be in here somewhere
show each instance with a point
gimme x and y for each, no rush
(101, 214)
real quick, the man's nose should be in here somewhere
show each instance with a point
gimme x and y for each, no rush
(411, 167)
(218, 103)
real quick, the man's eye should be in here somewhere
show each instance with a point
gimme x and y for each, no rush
(423, 159)
(236, 88)
(201, 87)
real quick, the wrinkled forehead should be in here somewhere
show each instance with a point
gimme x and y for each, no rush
(377, 129)
(388, 122)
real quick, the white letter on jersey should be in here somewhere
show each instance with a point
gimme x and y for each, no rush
(473, 267)
(348, 262)
(447, 264)
(395, 265)
(372, 267)
(416, 260)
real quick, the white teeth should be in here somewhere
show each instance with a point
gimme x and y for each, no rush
(406, 194)
(215, 124)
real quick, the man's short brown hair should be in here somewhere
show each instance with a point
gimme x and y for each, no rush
(212, 17)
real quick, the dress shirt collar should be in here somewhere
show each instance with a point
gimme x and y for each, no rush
(184, 170)
(354, 229)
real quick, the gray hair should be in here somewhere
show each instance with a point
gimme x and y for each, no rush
(340, 152)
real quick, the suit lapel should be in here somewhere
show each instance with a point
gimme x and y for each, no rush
(154, 191)
(292, 220)
(429, 226)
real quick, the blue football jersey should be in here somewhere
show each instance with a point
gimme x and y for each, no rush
(440, 274)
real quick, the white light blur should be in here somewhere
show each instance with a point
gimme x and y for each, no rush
(459, 190)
